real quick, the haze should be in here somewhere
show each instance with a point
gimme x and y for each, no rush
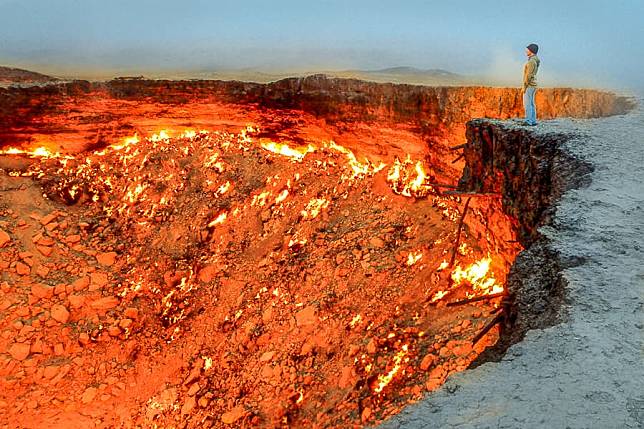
(583, 43)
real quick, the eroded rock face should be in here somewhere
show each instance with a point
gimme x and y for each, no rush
(531, 170)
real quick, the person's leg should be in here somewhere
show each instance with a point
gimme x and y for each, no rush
(530, 107)
(526, 104)
(533, 118)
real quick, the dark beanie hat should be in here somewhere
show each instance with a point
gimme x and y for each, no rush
(533, 48)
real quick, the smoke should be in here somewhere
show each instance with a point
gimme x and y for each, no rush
(506, 69)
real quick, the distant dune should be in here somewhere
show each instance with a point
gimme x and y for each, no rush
(10, 75)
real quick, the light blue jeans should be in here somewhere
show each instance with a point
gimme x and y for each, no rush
(529, 106)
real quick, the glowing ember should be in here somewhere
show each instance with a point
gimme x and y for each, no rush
(385, 379)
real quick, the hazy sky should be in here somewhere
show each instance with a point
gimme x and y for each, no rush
(582, 42)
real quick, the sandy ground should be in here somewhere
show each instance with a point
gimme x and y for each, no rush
(587, 372)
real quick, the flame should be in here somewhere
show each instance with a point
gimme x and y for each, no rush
(207, 363)
(385, 379)
(282, 196)
(285, 150)
(38, 152)
(260, 199)
(407, 181)
(160, 136)
(218, 220)
(314, 207)
(476, 274)
(359, 168)
(356, 319)
(439, 295)
(188, 134)
(223, 188)
(413, 257)
(300, 397)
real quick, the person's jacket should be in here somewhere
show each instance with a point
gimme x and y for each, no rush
(530, 72)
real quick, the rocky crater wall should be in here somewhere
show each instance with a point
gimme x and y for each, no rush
(531, 171)
(438, 113)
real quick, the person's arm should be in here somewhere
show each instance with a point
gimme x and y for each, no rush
(528, 74)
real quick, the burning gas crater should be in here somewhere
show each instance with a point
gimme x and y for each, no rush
(333, 289)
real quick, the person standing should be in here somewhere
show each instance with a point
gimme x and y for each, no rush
(530, 84)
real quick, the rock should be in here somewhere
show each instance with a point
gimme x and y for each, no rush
(105, 303)
(76, 301)
(346, 377)
(4, 238)
(189, 405)
(42, 271)
(114, 331)
(44, 250)
(193, 389)
(267, 357)
(81, 283)
(59, 313)
(106, 259)
(376, 242)
(131, 313)
(48, 218)
(462, 349)
(306, 316)
(45, 241)
(233, 415)
(19, 351)
(427, 361)
(73, 239)
(51, 371)
(98, 280)
(83, 338)
(22, 269)
(125, 323)
(42, 291)
(208, 273)
(195, 372)
(89, 394)
(366, 413)
(372, 346)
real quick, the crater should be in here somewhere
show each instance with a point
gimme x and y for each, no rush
(312, 252)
